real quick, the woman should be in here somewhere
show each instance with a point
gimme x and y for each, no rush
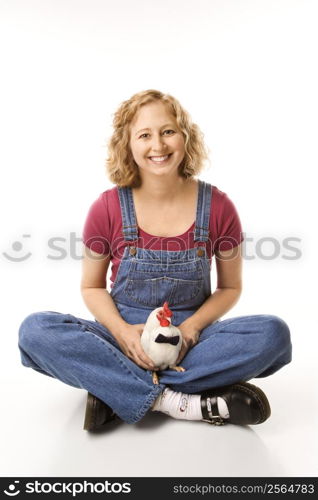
(160, 226)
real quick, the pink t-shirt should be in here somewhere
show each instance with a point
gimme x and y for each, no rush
(102, 231)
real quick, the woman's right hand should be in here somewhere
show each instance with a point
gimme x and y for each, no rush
(129, 342)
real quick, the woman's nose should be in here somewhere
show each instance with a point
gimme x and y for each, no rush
(158, 143)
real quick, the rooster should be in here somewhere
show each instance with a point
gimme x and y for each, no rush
(161, 340)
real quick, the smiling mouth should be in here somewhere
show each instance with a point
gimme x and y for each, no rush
(160, 159)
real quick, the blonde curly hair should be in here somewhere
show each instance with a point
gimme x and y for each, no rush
(121, 167)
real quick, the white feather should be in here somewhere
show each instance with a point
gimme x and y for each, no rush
(162, 354)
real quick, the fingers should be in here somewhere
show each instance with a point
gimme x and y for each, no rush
(137, 354)
(140, 328)
(142, 363)
(141, 360)
(192, 341)
(183, 351)
(187, 343)
(131, 346)
(144, 360)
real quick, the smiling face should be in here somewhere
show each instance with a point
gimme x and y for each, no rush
(156, 142)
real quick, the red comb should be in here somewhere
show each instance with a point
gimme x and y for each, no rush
(167, 311)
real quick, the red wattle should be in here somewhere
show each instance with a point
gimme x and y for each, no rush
(164, 322)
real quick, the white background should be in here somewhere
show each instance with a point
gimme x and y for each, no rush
(246, 70)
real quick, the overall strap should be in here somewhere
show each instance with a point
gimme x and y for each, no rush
(129, 220)
(201, 232)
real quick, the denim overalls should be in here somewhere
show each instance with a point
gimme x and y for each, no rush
(148, 278)
(84, 354)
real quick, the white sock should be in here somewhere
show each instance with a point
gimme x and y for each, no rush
(184, 406)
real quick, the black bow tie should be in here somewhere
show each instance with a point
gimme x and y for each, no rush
(167, 340)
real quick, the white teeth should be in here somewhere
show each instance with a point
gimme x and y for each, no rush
(159, 158)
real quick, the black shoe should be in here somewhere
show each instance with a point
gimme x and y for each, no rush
(97, 413)
(247, 405)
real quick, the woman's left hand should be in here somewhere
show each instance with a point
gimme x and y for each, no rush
(190, 337)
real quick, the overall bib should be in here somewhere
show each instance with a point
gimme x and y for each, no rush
(84, 354)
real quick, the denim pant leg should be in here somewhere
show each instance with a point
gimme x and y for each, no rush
(83, 354)
(233, 350)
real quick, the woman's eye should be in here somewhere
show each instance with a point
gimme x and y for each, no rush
(143, 135)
